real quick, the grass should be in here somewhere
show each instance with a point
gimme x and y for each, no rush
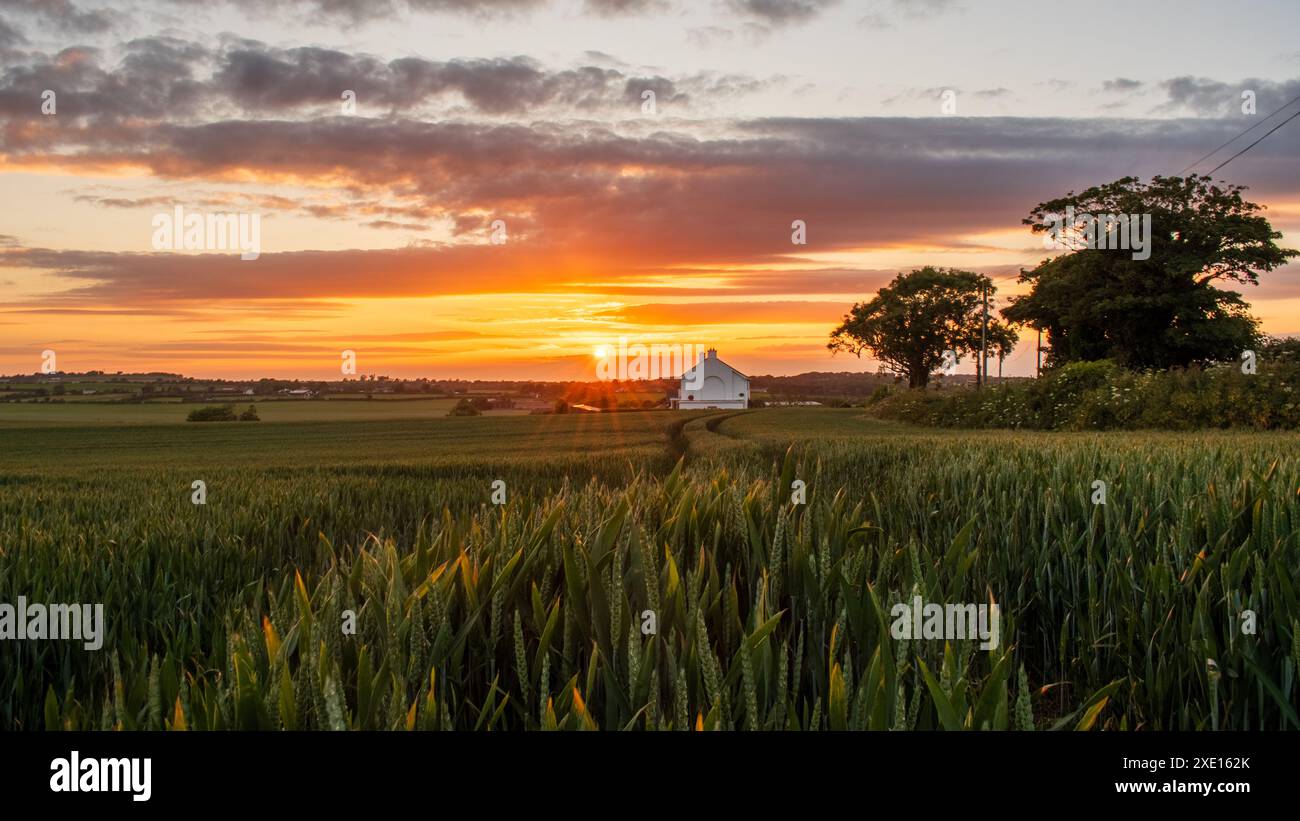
(554, 444)
(83, 413)
(535, 614)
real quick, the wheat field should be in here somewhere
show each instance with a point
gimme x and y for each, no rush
(650, 571)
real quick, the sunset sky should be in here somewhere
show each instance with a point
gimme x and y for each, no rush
(661, 227)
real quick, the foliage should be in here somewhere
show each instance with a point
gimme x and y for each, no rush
(911, 322)
(1162, 311)
(768, 615)
(213, 413)
(465, 407)
(1101, 395)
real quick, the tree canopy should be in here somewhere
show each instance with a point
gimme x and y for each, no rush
(915, 318)
(1163, 310)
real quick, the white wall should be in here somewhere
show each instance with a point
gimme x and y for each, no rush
(712, 380)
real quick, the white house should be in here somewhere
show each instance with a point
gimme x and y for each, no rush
(712, 383)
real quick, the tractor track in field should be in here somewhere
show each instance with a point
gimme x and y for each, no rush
(714, 421)
(678, 444)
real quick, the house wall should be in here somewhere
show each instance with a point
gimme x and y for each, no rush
(722, 404)
(713, 383)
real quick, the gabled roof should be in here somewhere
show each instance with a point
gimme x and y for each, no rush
(717, 359)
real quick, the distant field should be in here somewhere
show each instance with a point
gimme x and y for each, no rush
(161, 413)
(639, 396)
(116, 387)
(486, 442)
(385, 397)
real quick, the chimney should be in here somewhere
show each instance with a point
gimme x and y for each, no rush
(713, 353)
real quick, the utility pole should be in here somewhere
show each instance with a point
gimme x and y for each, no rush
(1038, 366)
(984, 339)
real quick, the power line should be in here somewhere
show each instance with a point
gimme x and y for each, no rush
(1257, 142)
(1239, 136)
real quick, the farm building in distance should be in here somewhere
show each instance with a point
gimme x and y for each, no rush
(712, 383)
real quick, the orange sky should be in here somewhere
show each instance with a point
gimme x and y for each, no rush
(673, 226)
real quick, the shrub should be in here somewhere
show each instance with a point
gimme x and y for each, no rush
(464, 408)
(212, 413)
(1101, 395)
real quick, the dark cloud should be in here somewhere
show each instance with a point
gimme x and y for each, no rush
(357, 11)
(613, 8)
(781, 12)
(64, 15)
(153, 80)
(1212, 98)
(1121, 85)
(711, 211)
(162, 78)
(473, 6)
(9, 36)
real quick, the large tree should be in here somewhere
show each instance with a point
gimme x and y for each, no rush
(1161, 311)
(915, 318)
